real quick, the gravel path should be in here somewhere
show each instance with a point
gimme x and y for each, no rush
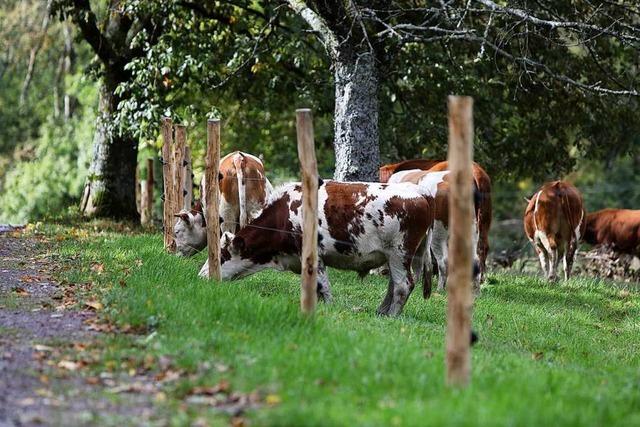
(37, 332)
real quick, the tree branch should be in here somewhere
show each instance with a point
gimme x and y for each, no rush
(34, 54)
(86, 20)
(318, 25)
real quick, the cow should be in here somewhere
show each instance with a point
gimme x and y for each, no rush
(190, 232)
(619, 228)
(244, 188)
(483, 184)
(360, 226)
(440, 240)
(554, 222)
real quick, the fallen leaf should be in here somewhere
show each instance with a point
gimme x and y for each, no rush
(27, 401)
(43, 392)
(97, 267)
(92, 380)
(96, 305)
(273, 399)
(136, 387)
(68, 365)
(537, 355)
(22, 292)
(40, 347)
(624, 293)
(222, 387)
(238, 422)
(221, 367)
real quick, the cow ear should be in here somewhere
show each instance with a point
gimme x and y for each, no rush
(226, 239)
(183, 216)
(220, 176)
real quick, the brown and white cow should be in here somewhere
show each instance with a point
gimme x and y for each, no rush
(360, 226)
(619, 228)
(440, 240)
(244, 188)
(554, 222)
(483, 184)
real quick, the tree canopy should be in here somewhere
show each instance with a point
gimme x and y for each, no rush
(554, 83)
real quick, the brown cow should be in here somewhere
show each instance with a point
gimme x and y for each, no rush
(438, 183)
(360, 226)
(483, 184)
(244, 189)
(554, 222)
(619, 228)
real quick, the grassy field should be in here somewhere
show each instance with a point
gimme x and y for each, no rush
(549, 354)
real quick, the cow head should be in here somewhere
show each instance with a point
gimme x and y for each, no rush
(190, 233)
(235, 261)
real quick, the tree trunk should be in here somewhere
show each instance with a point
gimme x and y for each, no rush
(356, 118)
(110, 189)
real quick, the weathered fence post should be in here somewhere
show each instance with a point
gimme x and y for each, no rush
(212, 197)
(309, 171)
(138, 190)
(459, 300)
(167, 177)
(178, 166)
(188, 179)
(146, 196)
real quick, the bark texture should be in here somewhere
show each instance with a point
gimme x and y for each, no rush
(356, 118)
(343, 33)
(110, 187)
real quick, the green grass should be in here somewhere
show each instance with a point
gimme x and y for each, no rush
(548, 354)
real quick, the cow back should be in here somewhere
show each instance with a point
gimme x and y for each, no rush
(619, 228)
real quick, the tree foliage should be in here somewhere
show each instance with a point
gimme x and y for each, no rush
(554, 83)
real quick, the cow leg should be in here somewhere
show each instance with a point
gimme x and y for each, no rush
(569, 257)
(553, 263)
(383, 309)
(324, 288)
(543, 257)
(439, 247)
(477, 267)
(426, 267)
(229, 214)
(403, 284)
(482, 252)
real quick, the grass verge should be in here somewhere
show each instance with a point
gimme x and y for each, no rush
(549, 354)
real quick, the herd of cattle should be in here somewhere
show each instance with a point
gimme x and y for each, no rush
(398, 223)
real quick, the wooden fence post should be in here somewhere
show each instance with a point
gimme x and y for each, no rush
(178, 166)
(212, 196)
(167, 177)
(146, 196)
(459, 296)
(138, 190)
(188, 179)
(309, 171)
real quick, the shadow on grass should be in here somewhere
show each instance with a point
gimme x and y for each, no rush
(589, 299)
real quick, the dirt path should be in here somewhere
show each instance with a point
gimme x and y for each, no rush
(38, 382)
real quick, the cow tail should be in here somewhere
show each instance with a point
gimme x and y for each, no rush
(239, 164)
(566, 210)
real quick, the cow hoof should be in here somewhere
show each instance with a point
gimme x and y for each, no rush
(474, 337)
(326, 299)
(382, 311)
